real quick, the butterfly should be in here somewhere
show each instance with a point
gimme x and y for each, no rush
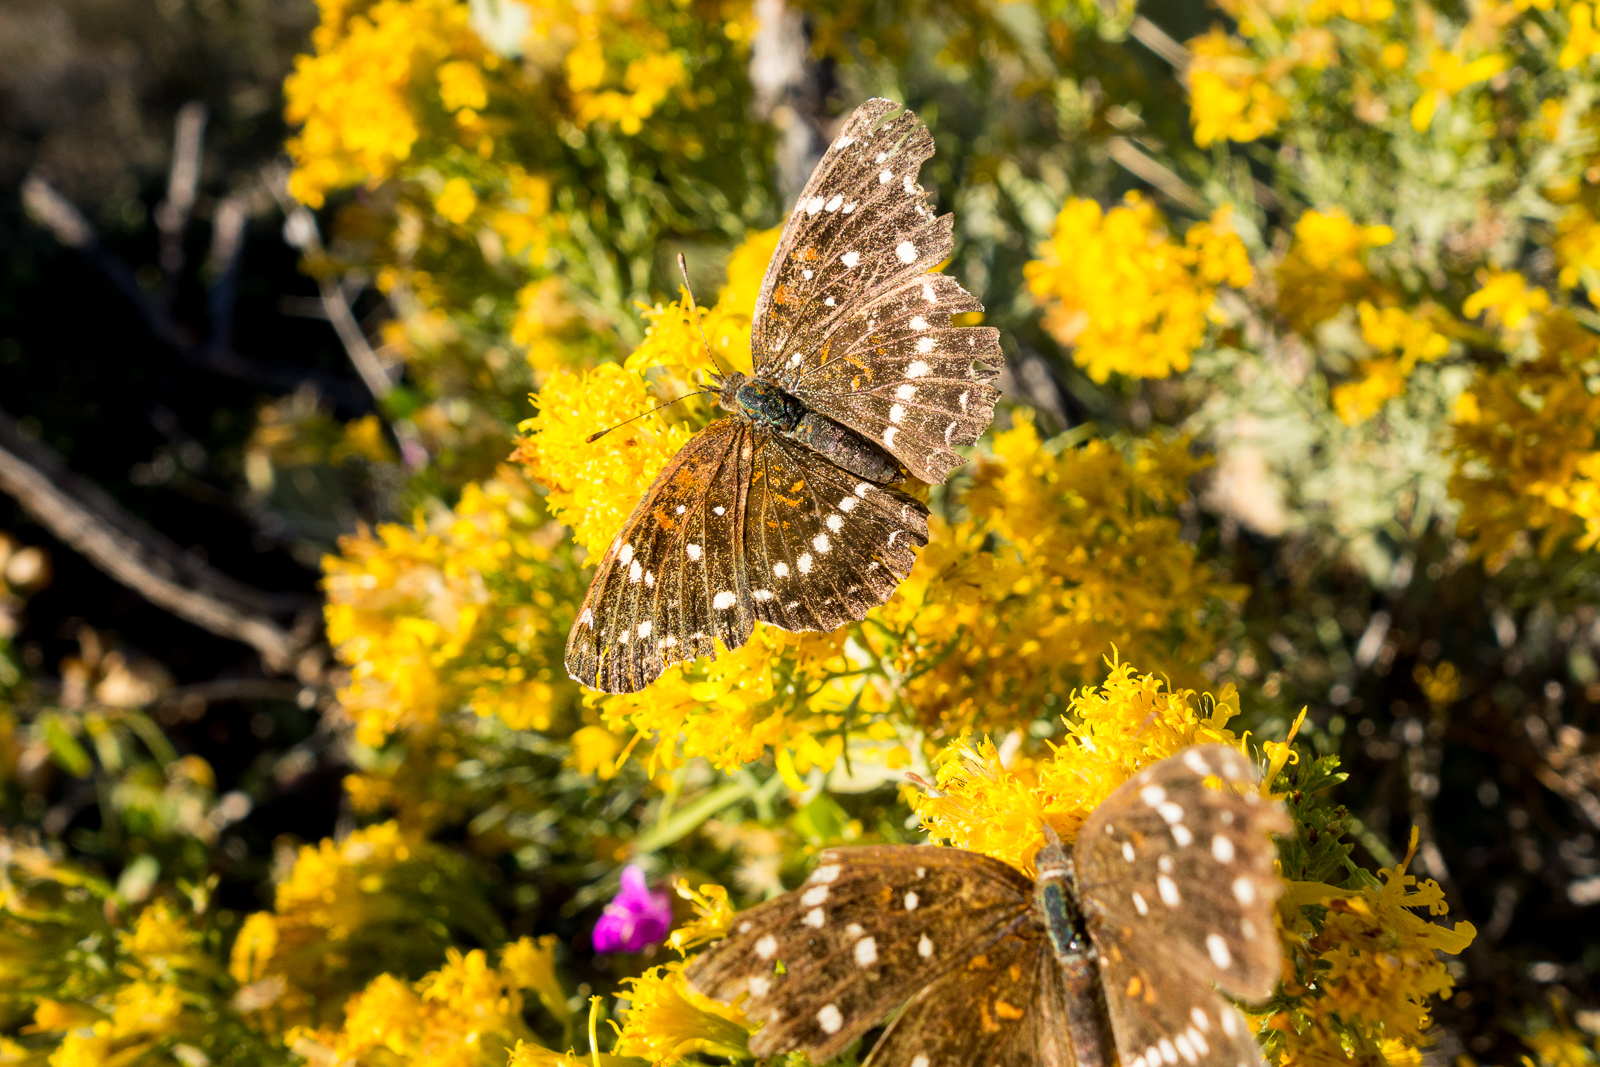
(786, 511)
(1120, 951)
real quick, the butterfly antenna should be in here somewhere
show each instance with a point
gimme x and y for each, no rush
(683, 269)
(592, 438)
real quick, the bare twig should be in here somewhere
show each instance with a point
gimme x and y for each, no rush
(300, 230)
(1130, 158)
(1158, 41)
(53, 211)
(86, 518)
(183, 183)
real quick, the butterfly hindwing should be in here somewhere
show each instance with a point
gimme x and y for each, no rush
(851, 321)
(1166, 1019)
(871, 926)
(673, 580)
(823, 547)
(1000, 1008)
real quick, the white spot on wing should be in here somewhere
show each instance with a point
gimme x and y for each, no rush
(828, 302)
(1219, 951)
(906, 251)
(924, 346)
(919, 1060)
(1200, 1019)
(1244, 890)
(866, 952)
(925, 947)
(814, 205)
(804, 563)
(724, 600)
(587, 618)
(833, 205)
(814, 896)
(1127, 851)
(625, 555)
(1168, 890)
(885, 176)
(825, 874)
(905, 392)
(829, 1019)
(1222, 849)
(692, 550)
(1185, 1049)
(1152, 795)
(1196, 762)
(813, 918)
(835, 522)
(888, 436)
(1181, 834)
(1230, 1022)
(760, 985)
(917, 368)
(635, 573)
(821, 544)
(761, 594)
(848, 504)
(850, 259)
(766, 947)
(897, 413)
(781, 570)
(1139, 905)
(911, 901)
(918, 323)
(1171, 812)
(645, 628)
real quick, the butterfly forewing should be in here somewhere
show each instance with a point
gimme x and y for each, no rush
(673, 579)
(849, 319)
(1000, 1008)
(1175, 871)
(871, 927)
(823, 547)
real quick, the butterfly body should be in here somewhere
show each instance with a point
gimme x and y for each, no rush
(1119, 952)
(786, 512)
(769, 408)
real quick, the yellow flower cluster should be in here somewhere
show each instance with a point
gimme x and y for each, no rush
(465, 1014)
(1325, 268)
(1231, 93)
(1128, 298)
(1370, 967)
(1061, 552)
(467, 608)
(1113, 730)
(351, 98)
(1446, 74)
(339, 909)
(1527, 453)
(1402, 339)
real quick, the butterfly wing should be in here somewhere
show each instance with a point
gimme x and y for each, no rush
(823, 547)
(873, 925)
(1179, 890)
(674, 578)
(849, 318)
(1002, 1008)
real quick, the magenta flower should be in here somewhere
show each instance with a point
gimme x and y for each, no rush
(638, 916)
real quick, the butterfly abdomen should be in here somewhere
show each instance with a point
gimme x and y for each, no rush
(770, 408)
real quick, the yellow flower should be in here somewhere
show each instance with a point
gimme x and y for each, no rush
(1583, 37)
(1440, 686)
(1381, 381)
(1325, 268)
(1128, 298)
(1577, 246)
(1527, 460)
(461, 86)
(1230, 95)
(1447, 74)
(1505, 297)
(712, 916)
(1366, 12)
(594, 751)
(666, 1020)
(456, 201)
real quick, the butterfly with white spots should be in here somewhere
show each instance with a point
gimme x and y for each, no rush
(1120, 951)
(786, 512)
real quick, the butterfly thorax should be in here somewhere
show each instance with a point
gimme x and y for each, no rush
(769, 407)
(1056, 897)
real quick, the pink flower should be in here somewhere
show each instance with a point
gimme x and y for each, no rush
(638, 916)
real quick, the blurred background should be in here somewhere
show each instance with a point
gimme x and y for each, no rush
(281, 613)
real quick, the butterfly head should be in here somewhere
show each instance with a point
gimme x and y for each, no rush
(726, 387)
(1054, 860)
